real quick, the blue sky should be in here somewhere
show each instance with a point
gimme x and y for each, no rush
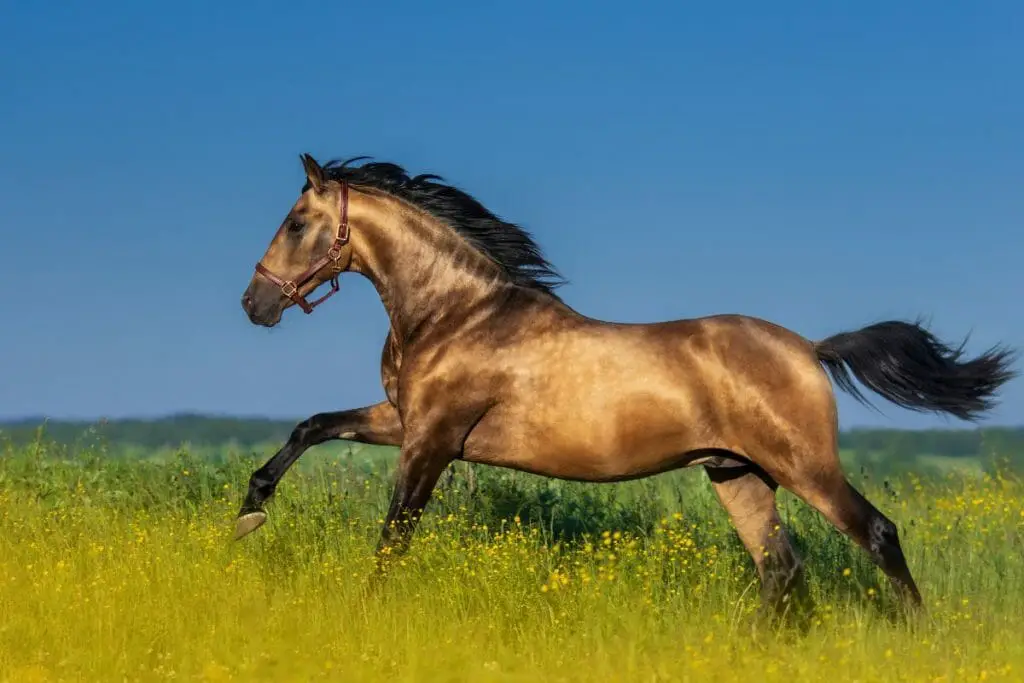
(822, 165)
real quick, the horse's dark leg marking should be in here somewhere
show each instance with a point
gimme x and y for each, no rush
(419, 468)
(377, 424)
(846, 508)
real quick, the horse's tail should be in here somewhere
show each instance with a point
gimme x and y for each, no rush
(909, 366)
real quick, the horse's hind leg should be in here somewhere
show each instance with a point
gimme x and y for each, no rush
(828, 491)
(748, 495)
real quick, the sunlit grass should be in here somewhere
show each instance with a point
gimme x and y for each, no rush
(114, 571)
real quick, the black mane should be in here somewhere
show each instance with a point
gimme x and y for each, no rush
(507, 244)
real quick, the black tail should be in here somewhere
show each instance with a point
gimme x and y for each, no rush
(908, 365)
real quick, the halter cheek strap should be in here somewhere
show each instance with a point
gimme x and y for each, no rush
(290, 288)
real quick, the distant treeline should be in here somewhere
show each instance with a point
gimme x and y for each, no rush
(165, 432)
(951, 443)
(202, 430)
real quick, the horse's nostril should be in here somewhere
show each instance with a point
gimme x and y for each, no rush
(246, 301)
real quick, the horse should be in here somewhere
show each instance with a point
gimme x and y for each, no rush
(484, 362)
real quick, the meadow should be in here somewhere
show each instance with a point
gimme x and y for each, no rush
(118, 567)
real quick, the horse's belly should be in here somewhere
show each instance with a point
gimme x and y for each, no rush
(590, 440)
(603, 407)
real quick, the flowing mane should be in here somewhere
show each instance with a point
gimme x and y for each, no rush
(508, 245)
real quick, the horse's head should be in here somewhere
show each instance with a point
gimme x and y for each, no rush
(310, 248)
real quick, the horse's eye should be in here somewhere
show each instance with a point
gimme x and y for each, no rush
(295, 226)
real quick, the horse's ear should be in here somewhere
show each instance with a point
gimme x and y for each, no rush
(314, 173)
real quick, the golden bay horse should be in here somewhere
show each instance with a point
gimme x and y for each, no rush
(484, 362)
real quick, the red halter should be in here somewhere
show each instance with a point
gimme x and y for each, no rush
(290, 288)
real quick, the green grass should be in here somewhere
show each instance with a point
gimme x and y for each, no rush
(123, 569)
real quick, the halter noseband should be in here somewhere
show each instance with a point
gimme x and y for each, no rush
(290, 288)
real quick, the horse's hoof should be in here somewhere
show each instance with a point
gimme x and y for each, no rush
(248, 523)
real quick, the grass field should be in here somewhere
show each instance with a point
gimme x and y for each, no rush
(118, 569)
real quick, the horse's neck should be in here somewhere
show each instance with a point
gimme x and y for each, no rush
(421, 274)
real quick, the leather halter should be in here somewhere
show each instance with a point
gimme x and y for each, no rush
(290, 288)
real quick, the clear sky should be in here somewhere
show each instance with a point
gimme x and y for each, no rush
(822, 165)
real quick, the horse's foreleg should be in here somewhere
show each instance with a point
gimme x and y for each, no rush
(419, 468)
(377, 424)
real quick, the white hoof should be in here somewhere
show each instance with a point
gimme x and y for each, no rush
(248, 523)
